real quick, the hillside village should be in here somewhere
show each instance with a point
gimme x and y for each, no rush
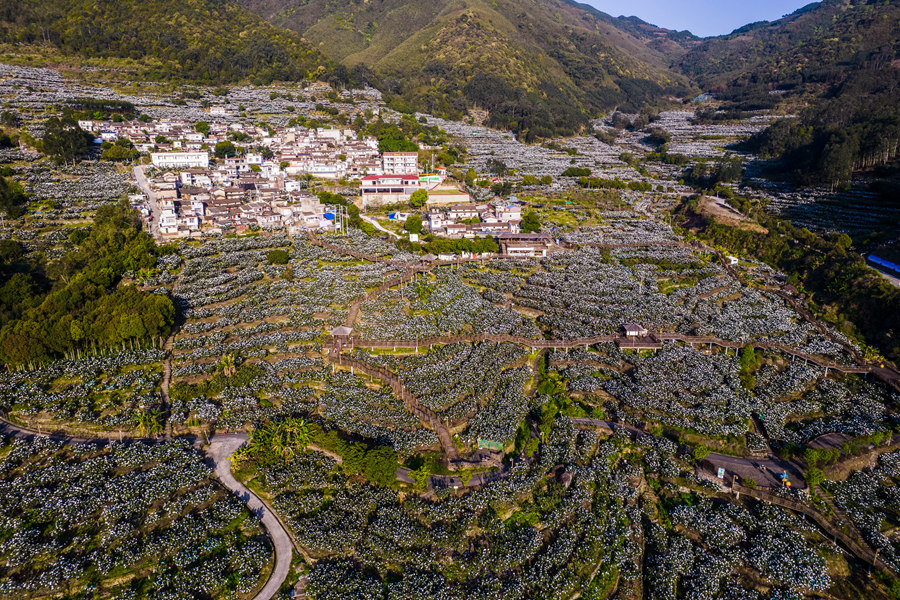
(197, 186)
(351, 313)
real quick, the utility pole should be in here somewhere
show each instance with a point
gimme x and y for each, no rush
(874, 560)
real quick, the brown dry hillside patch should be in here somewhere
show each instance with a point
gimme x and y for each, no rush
(726, 215)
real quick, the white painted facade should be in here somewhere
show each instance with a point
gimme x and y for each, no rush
(180, 160)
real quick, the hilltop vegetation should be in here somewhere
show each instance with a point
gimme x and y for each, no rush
(810, 49)
(208, 41)
(539, 68)
(856, 128)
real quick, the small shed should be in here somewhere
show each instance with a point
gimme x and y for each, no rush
(635, 330)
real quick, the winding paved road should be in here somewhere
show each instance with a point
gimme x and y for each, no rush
(221, 447)
(374, 223)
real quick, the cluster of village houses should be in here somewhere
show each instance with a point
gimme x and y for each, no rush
(194, 194)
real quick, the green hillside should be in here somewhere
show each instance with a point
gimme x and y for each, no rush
(539, 67)
(835, 63)
(212, 41)
(807, 51)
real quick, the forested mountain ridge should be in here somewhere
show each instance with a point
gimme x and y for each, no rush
(837, 61)
(672, 44)
(207, 41)
(539, 67)
(812, 49)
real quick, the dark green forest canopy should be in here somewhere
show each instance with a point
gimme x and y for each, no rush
(12, 198)
(81, 301)
(211, 41)
(857, 127)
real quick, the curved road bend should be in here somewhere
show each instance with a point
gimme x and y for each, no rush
(374, 223)
(221, 447)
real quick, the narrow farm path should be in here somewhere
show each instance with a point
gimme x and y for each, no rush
(167, 364)
(427, 415)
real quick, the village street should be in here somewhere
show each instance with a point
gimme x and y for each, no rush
(141, 180)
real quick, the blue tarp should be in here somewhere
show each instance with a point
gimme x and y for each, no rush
(885, 264)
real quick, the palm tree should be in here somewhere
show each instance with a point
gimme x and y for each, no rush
(298, 432)
(287, 452)
(228, 364)
(149, 422)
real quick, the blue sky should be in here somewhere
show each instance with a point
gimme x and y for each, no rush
(700, 17)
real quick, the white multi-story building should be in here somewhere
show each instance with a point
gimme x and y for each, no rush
(180, 160)
(168, 222)
(400, 163)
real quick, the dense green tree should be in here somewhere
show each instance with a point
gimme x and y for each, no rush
(531, 223)
(577, 172)
(814, 476)
(9, 119)
(10, 251)
(497, 167)
(448, 246)
(225, 149)
(64, 140)
(657, 137)
(278, 257)
(17, 294)
(120, 152)
(418, 199)
(380, 466)
(501, 188)
(748, 367)
(86, 306)
(723, 170)
(413, 224)
(12, 198)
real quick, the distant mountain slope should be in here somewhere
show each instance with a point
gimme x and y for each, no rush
(837, 61)
(671, 44)
(815, 46)
(213, 41)
(537, 65)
